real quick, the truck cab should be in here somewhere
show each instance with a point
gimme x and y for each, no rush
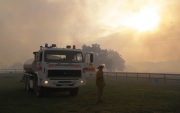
(58, 69)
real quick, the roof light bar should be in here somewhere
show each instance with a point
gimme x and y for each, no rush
(46, 45)
(68, 46)
(53, 45)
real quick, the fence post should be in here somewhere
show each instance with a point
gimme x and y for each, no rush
(164, 78)
(137, 76)
(126, 76)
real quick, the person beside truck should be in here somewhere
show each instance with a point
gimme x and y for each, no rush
(100, 83)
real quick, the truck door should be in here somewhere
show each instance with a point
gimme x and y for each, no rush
(89, 67)
(38, 60)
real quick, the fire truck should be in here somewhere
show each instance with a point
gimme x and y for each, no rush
(60, 69)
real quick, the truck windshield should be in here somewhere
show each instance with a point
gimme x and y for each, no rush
(63, 56)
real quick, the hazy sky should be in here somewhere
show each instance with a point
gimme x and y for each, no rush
(140, 30)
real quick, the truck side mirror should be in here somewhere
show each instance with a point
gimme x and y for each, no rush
(40, 56)
(35, 56)
(91, 57)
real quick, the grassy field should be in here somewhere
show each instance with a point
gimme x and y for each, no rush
(120, 95)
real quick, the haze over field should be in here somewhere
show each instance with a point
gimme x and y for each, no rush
(140, 30)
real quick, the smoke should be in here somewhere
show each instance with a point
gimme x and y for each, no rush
(28, 24)
(159, 45)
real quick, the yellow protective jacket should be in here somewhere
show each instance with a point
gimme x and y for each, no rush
(100, 79)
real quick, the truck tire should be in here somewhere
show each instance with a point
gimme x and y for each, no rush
(25, 82)
(37, 89)
(28, 88)
(73, 91)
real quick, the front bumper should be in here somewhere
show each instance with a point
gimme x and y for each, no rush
(65, 83)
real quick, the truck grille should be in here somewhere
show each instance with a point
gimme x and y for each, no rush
(64, 73)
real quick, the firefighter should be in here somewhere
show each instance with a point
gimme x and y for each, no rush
(100, 83)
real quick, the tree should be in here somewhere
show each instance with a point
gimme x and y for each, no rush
(118, 61)
(112, 59)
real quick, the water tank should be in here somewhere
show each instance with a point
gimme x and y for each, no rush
(29, 66)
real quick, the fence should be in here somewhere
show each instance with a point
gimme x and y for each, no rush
(149, 76)
(11, 70)
(136, 75)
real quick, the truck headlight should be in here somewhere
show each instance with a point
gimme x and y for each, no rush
(45, 82)
(81, 81)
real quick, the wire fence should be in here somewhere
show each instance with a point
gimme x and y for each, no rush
(126, 75)
(139, 76)
(11, 70)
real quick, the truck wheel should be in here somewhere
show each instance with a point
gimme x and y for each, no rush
(28, 88)
(25, 82)
(73, 91)
(38, 90)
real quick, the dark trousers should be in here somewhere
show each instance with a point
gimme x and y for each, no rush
(100, 92)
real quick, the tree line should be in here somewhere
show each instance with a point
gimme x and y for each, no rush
(112, 59)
